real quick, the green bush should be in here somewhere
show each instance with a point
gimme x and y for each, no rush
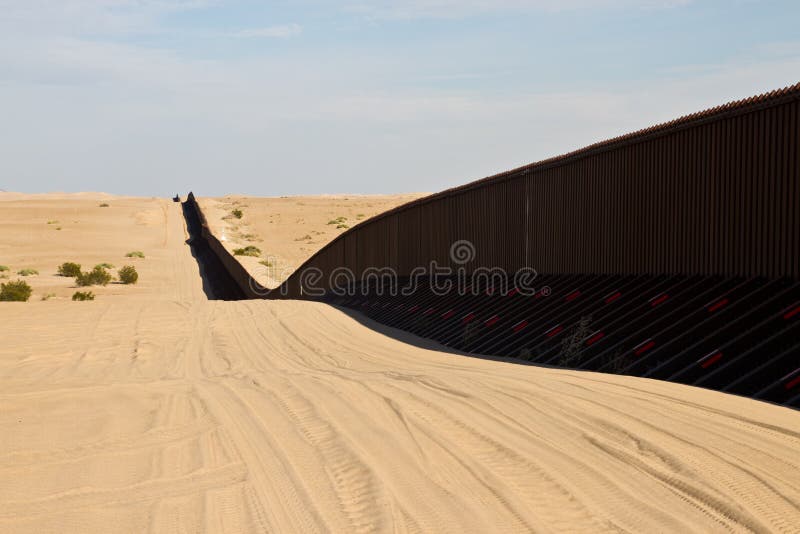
(96, 277)
(135, 254)
(70, 269)
(28, 272)
(128, 275)
(17, 291)
(249, 250)
(83, 295)
(237, 213)
(104, 265)
(3, 268)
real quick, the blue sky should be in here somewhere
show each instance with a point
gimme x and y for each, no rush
(154, 97)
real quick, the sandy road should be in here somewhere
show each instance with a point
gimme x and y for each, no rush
(161, 411)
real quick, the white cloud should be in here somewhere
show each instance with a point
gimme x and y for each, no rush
(412, 9)
(159, 121)
(89, 17)
(281, 31)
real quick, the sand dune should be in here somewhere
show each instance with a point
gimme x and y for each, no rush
(153, 409)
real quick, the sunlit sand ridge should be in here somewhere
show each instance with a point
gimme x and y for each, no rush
(154, 409)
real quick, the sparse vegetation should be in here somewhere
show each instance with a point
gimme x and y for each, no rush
(135, 254)
(249, 250)
(303, 238)
(28, 272)
(104, 265)
(572, 344)
(48, 296)
(96, 277)
(128, 275)
(266, 263)
(360, 216)
(83, 295)
(70, 269)
(3, 268)
(342, 226)
(237, 213)
(16, 291)
(104, 205)
(338, 221)
(52, 222)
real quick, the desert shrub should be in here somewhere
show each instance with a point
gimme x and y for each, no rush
(28, 272)
(104, 265)
(96, 277)
(128, 275)
(266, 263)
(3, 268)
(83, 295)
(70, 269)
(52, 222)
(16, 291)
(338, 220)
(249, 250)
(237, 213)
(573, 342)
(104, 205)
(135, 254)
(342, 226)
(48, 296)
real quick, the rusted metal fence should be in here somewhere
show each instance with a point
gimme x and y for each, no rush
(714, 193)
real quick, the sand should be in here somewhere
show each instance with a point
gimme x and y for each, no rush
(289, 230)
(152, 409)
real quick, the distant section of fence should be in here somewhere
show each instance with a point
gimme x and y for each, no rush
(713, 193)
(227, 278)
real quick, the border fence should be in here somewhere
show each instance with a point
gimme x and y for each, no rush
(712, 193)
(670, 253)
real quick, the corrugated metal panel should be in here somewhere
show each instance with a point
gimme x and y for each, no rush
(712, 193)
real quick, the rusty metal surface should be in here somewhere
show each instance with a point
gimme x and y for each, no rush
(712, 193)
